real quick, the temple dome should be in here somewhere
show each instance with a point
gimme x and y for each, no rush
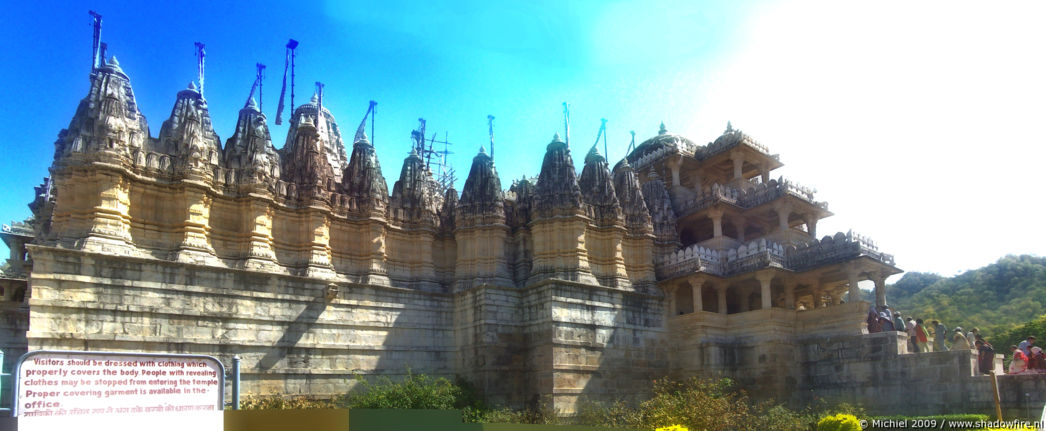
(663, 140)
(732, 137)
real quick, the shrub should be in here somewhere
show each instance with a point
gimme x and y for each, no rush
(414, 392)
(839, 422)
(280, 402)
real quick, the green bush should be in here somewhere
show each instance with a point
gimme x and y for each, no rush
(839, 422)
(280, 402)
(414, 392)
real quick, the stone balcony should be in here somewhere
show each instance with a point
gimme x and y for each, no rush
(751, 194)
(768, 254)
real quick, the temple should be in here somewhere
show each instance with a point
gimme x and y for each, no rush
(681, 259)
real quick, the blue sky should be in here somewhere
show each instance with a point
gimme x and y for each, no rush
(920, 125)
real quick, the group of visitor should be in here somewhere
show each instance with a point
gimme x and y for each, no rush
(1027, 357)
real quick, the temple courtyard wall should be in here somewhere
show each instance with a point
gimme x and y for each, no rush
(553, 340)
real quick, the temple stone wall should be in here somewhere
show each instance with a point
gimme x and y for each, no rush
(877, 372)
(594, 343)
(294, 335)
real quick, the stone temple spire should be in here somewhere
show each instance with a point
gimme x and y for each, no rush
(447, 210)
(481, 198)
(189, 136)
(659, 204)
(630, 195)
(330, 136)
(249, 150)
(307, 167)
(597, 190)
(107, 119)
(363, 181)
(557, 188)
(415, 196)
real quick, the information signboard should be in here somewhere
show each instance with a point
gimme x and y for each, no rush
(55, 387)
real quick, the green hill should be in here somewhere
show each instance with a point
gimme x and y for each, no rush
(995, 298)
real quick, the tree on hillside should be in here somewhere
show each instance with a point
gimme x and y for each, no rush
(994, 298)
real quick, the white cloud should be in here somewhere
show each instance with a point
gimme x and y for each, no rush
(920, 123)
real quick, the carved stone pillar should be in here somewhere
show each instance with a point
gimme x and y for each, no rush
(818, 293)
(721, 298)
(260, 253)
(674, 165)
(853, 276)
(319, 264)
(765, 171)
(196, 243)
(783, 212)
(717, 222)
(738, 158)
(811, 226)
(765, 277)
(696, 289)
(880, 290)
(109, 220)
(670, 292)
(739, 224)
(790, 295)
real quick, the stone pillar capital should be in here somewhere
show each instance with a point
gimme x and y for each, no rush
(697, 280)
(765, 276)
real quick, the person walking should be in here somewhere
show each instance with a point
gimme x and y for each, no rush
(910, 325)
(959, 340)
(1026, 345)
(940, 333)
(922, 337)
(898, 322)
(972, 337)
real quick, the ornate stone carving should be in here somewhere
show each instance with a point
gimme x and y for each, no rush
(597, 190)
(329, 135)
(107, 119)
(630, 196)
(249, 152)
(482, 200)
(363, 182)
(188, 136)
(307, 167)
(415, 196)
(664, 219)
(557, 189)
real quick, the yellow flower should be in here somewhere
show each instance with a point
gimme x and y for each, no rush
(673, 428)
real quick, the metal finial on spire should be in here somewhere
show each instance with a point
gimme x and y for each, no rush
(566, 122)
(200, 55)
(257, 84)
(288, 64)
(602, 134)
(96, 22)
(361, 136)
(490, 130)
(319, 99)
(662, 130)
(729, 127)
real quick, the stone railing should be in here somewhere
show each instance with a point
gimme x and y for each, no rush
(762, 253)
(834, 249)
(653, 156)
(17, 228)
(718, 193)
(756, 194)
(714, 148)
(754, 255)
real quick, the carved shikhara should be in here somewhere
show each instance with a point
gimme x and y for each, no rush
(300, 260)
